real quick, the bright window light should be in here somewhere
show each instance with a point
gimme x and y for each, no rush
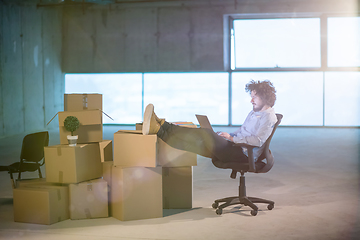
(122, 94)
(179, 96)
(343, 42)
(273, 43)
(299, 96)
(342, 99)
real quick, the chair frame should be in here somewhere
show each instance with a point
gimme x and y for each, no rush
(252, 166)
(26, 159)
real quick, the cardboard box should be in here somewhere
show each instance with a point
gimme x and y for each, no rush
(65, 164)
(131, 148)
(136, 193)
(138, 126)
(41, 204)
(106, 152)
(172, 157)
(107, 166)
(88, 199)
(34, 181)
(79, 102)
(90, 130)
(177, 187)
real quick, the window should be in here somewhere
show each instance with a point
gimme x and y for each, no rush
(342, 99)
(343, 42)
(179, 96)
(122, 94)
(277, 43)
(176, 96)
(299, 96)
(275, 47)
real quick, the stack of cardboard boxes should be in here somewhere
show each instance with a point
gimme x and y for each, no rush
(138, 180)
(74, 187)
(149, 175)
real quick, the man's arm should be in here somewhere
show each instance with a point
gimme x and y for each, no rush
(256, 134)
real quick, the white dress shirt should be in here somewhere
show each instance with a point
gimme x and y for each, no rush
(256, 130)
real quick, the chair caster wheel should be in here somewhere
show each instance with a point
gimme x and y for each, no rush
(215, 205)
(254, 212)
(270, 206)
(218, 211)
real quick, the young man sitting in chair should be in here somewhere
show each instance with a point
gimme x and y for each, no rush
(255, 130)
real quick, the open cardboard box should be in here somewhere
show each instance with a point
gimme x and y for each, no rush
(90, 130)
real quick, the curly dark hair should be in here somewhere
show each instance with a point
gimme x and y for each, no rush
(264, 89)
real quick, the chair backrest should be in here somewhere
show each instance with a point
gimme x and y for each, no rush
(33, 146)
(266, 154)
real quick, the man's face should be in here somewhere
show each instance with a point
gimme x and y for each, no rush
(257, 102)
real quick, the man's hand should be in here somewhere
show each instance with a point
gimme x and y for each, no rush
(225, 135)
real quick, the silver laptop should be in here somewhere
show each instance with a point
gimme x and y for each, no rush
(204, 121)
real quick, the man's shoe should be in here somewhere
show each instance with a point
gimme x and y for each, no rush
(150, 124)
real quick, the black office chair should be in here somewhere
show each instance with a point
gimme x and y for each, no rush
(31, 157)
(257, 167)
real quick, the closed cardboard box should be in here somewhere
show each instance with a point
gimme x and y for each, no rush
(85, 101)
(90, 130)
(41, 204)
(107, 166)
(33, 181)
(131, 148)
(65, 164)
(88, 199)
(177, 187)
(172, 157)
(136, 193)
(106, 152)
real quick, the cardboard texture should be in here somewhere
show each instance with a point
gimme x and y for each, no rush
(79, 102)
(107, 166)
(34, 181)
(90, 130)
(88, 199)
(172, 157)
(106, 152)
(41, 204)
(131, 149)
(136, 193)
(177, 187)
(138, 126)
(65, 164)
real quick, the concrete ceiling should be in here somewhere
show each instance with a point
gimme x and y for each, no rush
(104, 2)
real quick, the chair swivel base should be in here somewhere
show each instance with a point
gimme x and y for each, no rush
(247, 201)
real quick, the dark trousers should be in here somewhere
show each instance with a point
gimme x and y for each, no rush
(201, 141)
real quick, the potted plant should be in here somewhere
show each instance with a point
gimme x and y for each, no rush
(71, 124)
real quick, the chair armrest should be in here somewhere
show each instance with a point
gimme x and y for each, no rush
(250, 155)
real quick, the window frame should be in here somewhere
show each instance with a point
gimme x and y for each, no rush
(229, 31)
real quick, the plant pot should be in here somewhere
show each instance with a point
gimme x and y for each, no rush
(72, 140)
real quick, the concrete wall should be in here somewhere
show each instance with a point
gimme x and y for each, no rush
(38, 44)
(31, 80)
(180, 36)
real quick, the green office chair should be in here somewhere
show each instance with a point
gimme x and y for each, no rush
(31, 157)
(258, 166)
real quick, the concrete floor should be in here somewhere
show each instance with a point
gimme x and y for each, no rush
(314, 183)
